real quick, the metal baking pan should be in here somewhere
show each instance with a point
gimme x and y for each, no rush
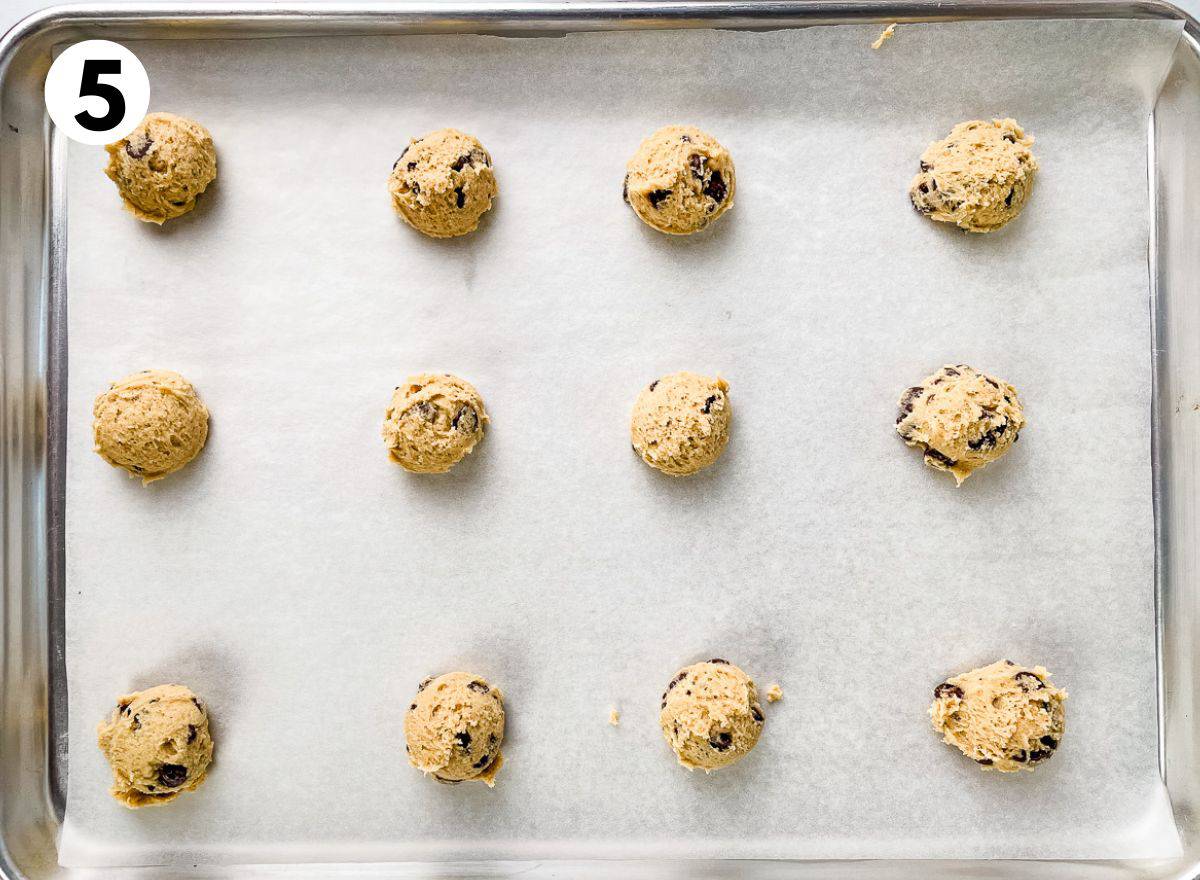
(33, 748)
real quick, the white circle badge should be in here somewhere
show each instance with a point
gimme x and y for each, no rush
(97, 92)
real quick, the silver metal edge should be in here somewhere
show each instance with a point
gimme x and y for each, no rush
(454, 17)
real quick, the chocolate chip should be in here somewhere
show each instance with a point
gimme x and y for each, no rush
(757, 713)
(1028, 681)
(934, 455)
(685, 138)
(178, 204)
(664, 702)
(1049, 742)
(1008, 136)
(192, 733)
(625, 189)
(991, 438)
(1009, 663)
(717, 660)
(197, 703)
(136, 724)
(402, 154)
(467, 421)
(722, 741)
(416, 188)
(715, 189)
(1021, 757)
(986, 762)
(1008, 199)
(412, 166)
(460, 197)
(457, 164)
(923, 188)
(945, 689)
(124, 707)
(492, 739)
(678, 678)
(482, 762)
(426, 410)
(925, 166)
(654, 384)
(464, 739)
(412, 708)
(140, 148)
(697, 162)
(906, 402)
(172, 775)
(657, 195)
(424, 684)
(919, 207)
(950, 371)
(444, 781)
(1038, 755)
(478, 687)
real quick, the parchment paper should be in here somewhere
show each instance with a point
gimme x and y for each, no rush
(303, 584)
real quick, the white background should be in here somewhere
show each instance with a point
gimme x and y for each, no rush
(303, 584)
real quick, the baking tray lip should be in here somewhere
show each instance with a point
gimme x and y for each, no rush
(565, 15)
(266, 18)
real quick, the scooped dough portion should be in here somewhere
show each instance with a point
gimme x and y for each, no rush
(443, 183)
(1004, 717)
(978, 178)
(158, 744)
(680, 180)
(961, 418)
(150, 423)
(433, 423)
(162, 166)
(680, 422)
(710, 715)
(454, 728)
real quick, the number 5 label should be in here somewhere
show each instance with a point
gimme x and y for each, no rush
(97, 92)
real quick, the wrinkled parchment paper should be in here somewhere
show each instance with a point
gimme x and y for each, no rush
(303, 584)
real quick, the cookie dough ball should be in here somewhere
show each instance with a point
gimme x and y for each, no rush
(710, 715)
(151, 423)
(961, 418)
(680, 423)
(443, 183)
(434, 422)
(455, 727)
(158, 745)
(978, 178)
(162, 166)
(680, 180)
(1004, 717)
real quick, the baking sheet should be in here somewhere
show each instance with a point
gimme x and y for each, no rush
(303, 584)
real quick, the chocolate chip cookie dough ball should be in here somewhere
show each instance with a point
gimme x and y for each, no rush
(433, 423)
(443, 183)
(978, 178)
(680, 180)
(710, 715)
(1004, 717)
(961, 419)
(158, 745)
(162, 166)
(680, 423)
(454, 728)
(150, 423)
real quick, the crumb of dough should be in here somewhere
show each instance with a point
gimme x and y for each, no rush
(774, 693)
(888, 33)
(614, 717)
